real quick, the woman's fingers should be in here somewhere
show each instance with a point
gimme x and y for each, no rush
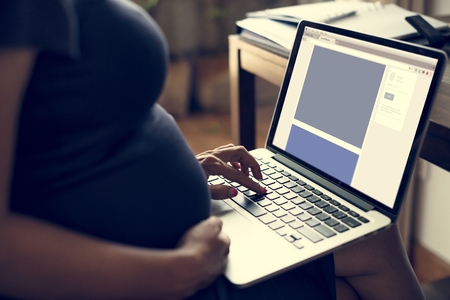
(215, 166)
(233, 163)
(238, 157)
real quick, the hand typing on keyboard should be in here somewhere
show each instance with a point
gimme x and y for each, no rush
(233, 163)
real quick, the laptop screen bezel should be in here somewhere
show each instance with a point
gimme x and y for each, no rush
(421, 128)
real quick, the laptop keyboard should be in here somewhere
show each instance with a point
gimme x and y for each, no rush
(293, 208)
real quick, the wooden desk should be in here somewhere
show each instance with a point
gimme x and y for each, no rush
(248, 61)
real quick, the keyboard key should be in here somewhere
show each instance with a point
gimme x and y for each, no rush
(288, 206)
(272, 164)
(305, 194)
(272, 196)
(213, 178)
(326, 197)
(276, 176)
(322, 217)
(235, 184)
(250, 193)
(272, 208)
(321, 204)
(282, 231)
(283, 180)
(290, 195)
(304, 217)
(286, 173)
(276, 186)
(314, 211)
(293, 178)
(334, 202)
(353, 214)
(295, 224)
(263, 185)
(297, 189)
(288, 219)
(317, 192)
(362, 219)
(340, 228)
(289, 238)
(309, 187)
(332, 222)
(301, 182)
(282, 191)
(264, 203)
(249, 206)
(269, 172)
(310, 235)
(330, 209)
(312, 222)
(313, 199)
(268, 181)
(295, 211)
(325, 231)
(263, 167)
(297, 200)
(350, 222)
(268, 218)
(258, 197)
(280, 201)
(298, 244)
(339, 215)
(219, 181)
(296, 235)
(276, 225)
(290, 184)
(344, 208)
(290, 231)
(305, 205)
(279, 213)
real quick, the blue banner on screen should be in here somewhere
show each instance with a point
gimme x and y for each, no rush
(322, 154)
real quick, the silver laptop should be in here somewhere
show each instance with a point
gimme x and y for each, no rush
(347, 128)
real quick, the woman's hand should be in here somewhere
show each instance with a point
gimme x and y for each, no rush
(232, 162)
(206, 248)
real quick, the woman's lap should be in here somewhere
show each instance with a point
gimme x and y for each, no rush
(315, 280)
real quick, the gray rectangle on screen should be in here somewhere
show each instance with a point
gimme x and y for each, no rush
(388, 96)
(339, 94)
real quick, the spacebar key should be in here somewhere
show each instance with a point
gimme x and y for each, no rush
(249, 205)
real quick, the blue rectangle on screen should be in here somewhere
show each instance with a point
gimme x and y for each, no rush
(322, 154)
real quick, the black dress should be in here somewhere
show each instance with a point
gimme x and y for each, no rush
(96, 154)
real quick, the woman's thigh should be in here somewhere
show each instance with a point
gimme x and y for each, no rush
(315, 280)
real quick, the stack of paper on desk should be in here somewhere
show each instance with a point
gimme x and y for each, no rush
(326, 12)
(278, 36)
(275, 28)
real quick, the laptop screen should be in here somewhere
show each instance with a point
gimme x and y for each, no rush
(351, 110)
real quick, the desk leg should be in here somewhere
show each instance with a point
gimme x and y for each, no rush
(242, 102)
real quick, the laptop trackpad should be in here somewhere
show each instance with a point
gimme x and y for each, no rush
(251, 244)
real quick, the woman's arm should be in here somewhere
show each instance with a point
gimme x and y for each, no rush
(41, 260)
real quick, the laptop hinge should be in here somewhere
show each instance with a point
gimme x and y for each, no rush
(323, 182)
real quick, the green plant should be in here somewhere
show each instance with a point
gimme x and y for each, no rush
(149, 4)
(217, 13)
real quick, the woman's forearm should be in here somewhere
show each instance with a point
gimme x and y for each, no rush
(39, 260)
